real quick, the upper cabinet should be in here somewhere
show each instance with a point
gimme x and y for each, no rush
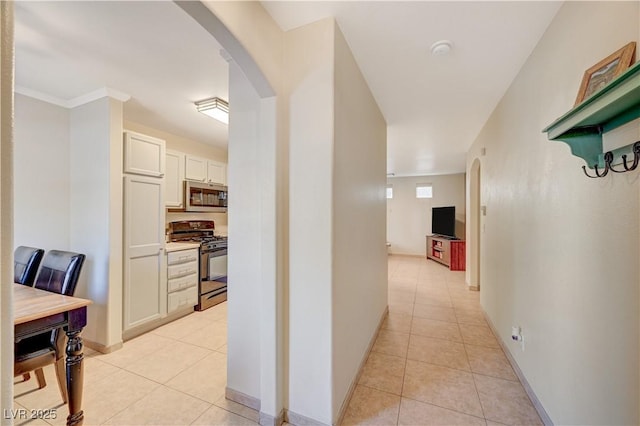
(144, 155)
(216, 172)
(196, 168)
(174, 178)
(203, 170)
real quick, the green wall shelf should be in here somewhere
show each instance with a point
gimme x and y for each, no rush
(581, 128)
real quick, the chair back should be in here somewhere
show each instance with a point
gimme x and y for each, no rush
(25, 264)
(59, 272)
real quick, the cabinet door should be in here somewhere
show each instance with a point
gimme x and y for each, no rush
(195, 169)
(216, 172)
(145, 273)
(143, 155)
(174, 178)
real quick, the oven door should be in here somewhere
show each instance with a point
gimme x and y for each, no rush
(213, 270)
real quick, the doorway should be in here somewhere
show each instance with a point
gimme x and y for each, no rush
(476, 226)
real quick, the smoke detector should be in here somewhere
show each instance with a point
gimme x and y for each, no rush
(440, 48)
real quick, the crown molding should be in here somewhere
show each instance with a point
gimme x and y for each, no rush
(104, 92)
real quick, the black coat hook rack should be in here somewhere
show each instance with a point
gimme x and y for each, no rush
(608, 163)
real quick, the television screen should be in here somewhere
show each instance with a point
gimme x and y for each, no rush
(443, 221)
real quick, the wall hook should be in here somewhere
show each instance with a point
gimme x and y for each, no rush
(595, 168)
(636, 159)
(608, 163)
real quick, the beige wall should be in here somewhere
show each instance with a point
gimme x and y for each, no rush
(559, 250)
(309, 70)
(359, 255)
(6, 207)
(41, 178)
(409, 218)
(95, 200)
(304, 84)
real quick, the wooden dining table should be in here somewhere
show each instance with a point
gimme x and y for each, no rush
(39, 311)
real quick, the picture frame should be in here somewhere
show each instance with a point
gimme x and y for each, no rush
(599, 75)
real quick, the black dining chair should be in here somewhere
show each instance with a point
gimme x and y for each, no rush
(59, 274)
(26, 261)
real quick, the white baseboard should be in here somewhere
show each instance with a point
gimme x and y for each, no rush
(354, 383)
(242, 398)
(100, 347)
(268, 420)
(516, 368)
(300, 420)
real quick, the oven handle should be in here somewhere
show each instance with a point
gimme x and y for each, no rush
(216, 293)
(214, 252)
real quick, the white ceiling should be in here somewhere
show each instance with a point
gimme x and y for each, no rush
(435, 106)
(153, 51)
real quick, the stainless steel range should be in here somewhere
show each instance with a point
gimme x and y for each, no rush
(212, 287)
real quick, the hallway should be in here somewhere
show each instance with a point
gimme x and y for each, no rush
(435, 360)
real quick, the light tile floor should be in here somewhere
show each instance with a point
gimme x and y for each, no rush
(434, 362)
(173, 375)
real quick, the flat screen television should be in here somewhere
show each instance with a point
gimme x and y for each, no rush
(443, 221)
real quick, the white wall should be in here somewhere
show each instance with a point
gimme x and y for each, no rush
(310, 71)
(69, 197)
(96, 214)
(301, 72)
(559, 250)
(243, 313)
(409, 218)
(359, 255)
(41, 176)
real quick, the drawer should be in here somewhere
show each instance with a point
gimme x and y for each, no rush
(182, 282)
(182, 299)
(182, 256)
(182, 269)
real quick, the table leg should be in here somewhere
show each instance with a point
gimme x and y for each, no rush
(77, 320)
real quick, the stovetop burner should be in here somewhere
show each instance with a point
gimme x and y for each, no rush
(199, 231)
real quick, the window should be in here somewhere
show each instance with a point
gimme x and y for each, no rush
(389, 192)
(424, 190)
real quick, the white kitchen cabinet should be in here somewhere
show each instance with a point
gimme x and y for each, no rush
(145, 282)
(204, 170)
(216, 172)
(183, 299)
(182, 280)
(174, 178)
(195, 168)
(143, 155)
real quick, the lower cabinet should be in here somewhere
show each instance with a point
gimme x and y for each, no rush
(182, 280)
(180, 299)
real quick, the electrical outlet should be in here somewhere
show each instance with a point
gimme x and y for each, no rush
(516, 336)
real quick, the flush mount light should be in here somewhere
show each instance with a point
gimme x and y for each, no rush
(441, 47)
(215, 108)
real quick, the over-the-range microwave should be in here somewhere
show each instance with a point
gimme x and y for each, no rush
(204, 197)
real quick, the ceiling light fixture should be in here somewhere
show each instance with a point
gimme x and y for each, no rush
(440, 48)
(215, 108)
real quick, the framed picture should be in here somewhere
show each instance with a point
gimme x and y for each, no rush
(599, 75)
